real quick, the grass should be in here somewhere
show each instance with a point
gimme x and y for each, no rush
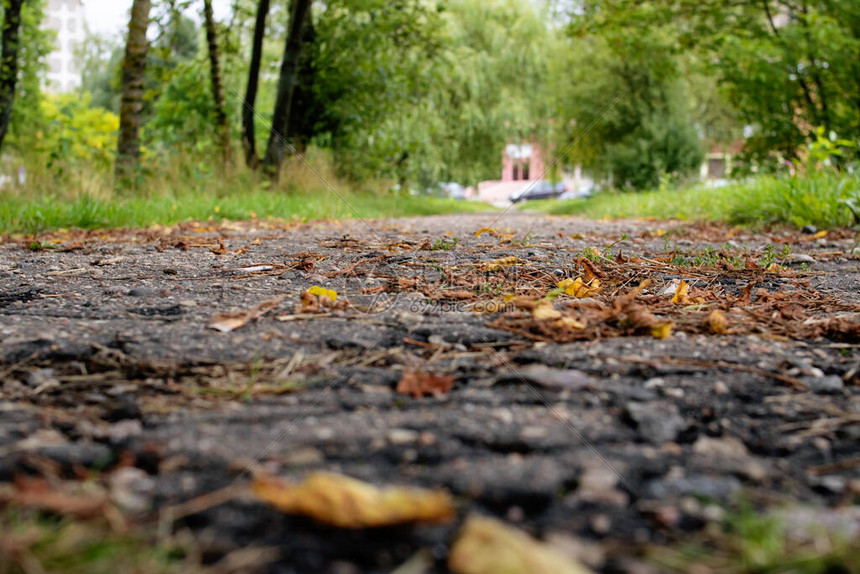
(33, 542)
(22, 215)
(747, 541)
(181, 189)
(822, 200)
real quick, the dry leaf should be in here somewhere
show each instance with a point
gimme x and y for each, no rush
(226, 322)
(484, 230)
(349, 503)
(420, 384)
(579, 288)
(489, 546)
(571, 323)
(590, 270)
(322, 291)
(503, 263)
(681, 293)
(544, 310)
(221, 249)
(661, 330)
(717, 322)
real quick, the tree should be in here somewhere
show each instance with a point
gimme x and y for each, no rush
(286, 86)
(9, 62)
(650, 131)
(215, 80)
(426, 94)
(249, 143)
(788, 67)
(131, 92)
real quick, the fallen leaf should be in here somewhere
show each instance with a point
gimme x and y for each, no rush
(221, 249)
(661, 330)
(717, 322)
(318, 291)
(544, 310)
(484, 230)
(590, 270)
(681, 293)
(230, 321)
(420, 384)
(579, 288)
(571, 323)
(503, 263)
(489, 546)
(349, 503)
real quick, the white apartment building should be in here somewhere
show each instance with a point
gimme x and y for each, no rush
(66, 17)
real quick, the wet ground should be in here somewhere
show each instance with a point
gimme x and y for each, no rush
(609, 422)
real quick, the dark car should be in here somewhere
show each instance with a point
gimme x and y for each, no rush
(541, 189)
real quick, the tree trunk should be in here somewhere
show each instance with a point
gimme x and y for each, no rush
(286, 85)
(9, 62)
(131, 93)
(221, 124)
(248, 142)
(303, 104)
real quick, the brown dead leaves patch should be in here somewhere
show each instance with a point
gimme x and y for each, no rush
(420, 384)
(595, 309)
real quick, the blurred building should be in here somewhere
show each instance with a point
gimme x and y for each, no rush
(66, 18)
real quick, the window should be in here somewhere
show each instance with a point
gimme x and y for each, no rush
(525, 171)
(516, 172)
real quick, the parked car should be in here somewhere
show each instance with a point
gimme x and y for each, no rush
(454, 190)
(583, 191)
(541, 189)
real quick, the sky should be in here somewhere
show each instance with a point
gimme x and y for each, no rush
(110, 17)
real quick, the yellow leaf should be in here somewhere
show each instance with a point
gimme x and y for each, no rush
(504, 262)
(681, 293)
(578, 288)
(318, 291)
(489, 546)
(349, 503)
(484, 230)
(661, 330)
(717, 322)
(571, 323)
(545, 310)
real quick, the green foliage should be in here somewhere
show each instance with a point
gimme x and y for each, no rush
(749, 541)
(35, 44)
(77, 134)
(490, 88)
(185, 188)
(787, 67)
(37, 543)
(818, 199)
(620, 54)
(183, 114)
(355, 91)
